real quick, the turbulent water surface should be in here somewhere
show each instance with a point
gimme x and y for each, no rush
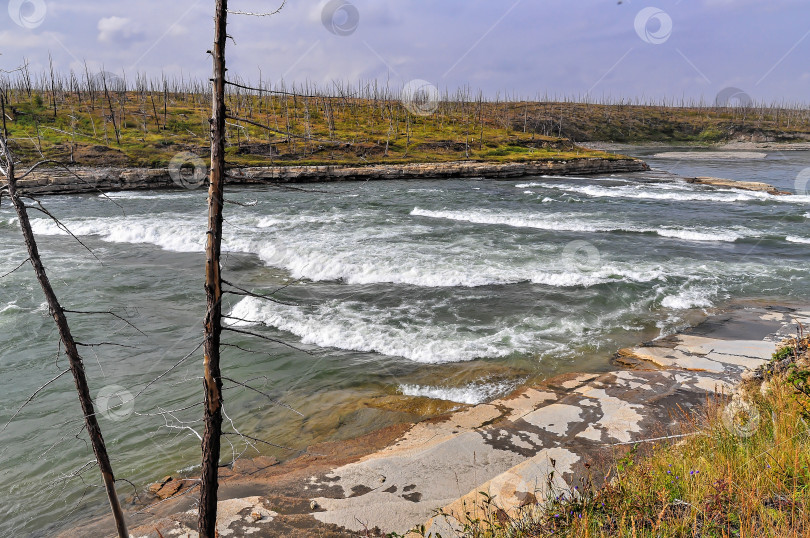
(457, 290)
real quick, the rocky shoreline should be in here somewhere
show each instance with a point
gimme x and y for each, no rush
(92, 179)
(756, 186)
(535, 442)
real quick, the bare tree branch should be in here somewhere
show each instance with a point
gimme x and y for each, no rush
(285, 133)
(23, 263)
(99, 344)
(30, 398)
(282, 342)
(74, 174)
(268, 14)
(256, 295)
(106, 312)
(276, 402)
(178, 363)
(266, 442)
(39, 207)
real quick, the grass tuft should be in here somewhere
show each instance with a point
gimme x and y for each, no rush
(745, 472)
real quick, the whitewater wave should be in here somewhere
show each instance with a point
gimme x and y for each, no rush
(712, 155)
(679, 192)
(471, 394)
(645, 192)
(688, 298)
(10, 307)
(150, 195)
(797, 239)
(569, 223)
(393, 332)
(180, 234)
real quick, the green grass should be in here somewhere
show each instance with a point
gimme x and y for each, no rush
(87, 125)
(744, 472)
(149, 129)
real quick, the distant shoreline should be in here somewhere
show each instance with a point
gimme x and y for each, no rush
(110, 179)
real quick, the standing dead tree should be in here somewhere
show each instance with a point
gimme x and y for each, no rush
(212, 379)
(7, 168)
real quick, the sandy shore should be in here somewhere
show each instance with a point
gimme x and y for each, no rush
(396, 478)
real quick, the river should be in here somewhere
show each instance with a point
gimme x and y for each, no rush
(459, 290)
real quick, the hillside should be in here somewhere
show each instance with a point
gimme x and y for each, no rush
(103, 123)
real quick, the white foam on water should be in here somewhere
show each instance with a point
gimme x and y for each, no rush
(178, 234)
(656, 192)
(149, 195)
(586, 277)
(687, 298)
(392, 332)
(10, 308)
(675, 192)
(471, 394)
(570, 223)
(797, 239)
(712, 155)
(397, 264)
(726, 236)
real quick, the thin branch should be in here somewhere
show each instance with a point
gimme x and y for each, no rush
(283, 343)
(268, 14)
(23, 263)
(61, 226)
(99, 344)
(280, 404)
(162, 413)
(135, 494)
(285, 133)
(74, 174)
(178, 363)
(291, 94)
(30, 398)
(256, 295)
(113, 314)
(265, 442)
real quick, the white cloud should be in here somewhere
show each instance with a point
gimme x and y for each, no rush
(116, 30)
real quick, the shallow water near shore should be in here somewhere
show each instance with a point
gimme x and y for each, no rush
(452, 289)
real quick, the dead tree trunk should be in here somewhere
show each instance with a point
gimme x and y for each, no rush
(212, 381)
(69, 344)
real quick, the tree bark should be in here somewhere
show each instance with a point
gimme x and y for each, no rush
(71, 351)
(212, 381)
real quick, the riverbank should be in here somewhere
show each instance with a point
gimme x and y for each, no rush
(94, 179)
(517, 449)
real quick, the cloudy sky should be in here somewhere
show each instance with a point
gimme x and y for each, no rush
(596, 48)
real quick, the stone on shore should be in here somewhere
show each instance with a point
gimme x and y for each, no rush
(756, 186)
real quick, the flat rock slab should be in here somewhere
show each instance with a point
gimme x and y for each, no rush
(537, 442)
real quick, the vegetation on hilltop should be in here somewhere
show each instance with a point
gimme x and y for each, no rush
(101, 120)
(688, 123)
